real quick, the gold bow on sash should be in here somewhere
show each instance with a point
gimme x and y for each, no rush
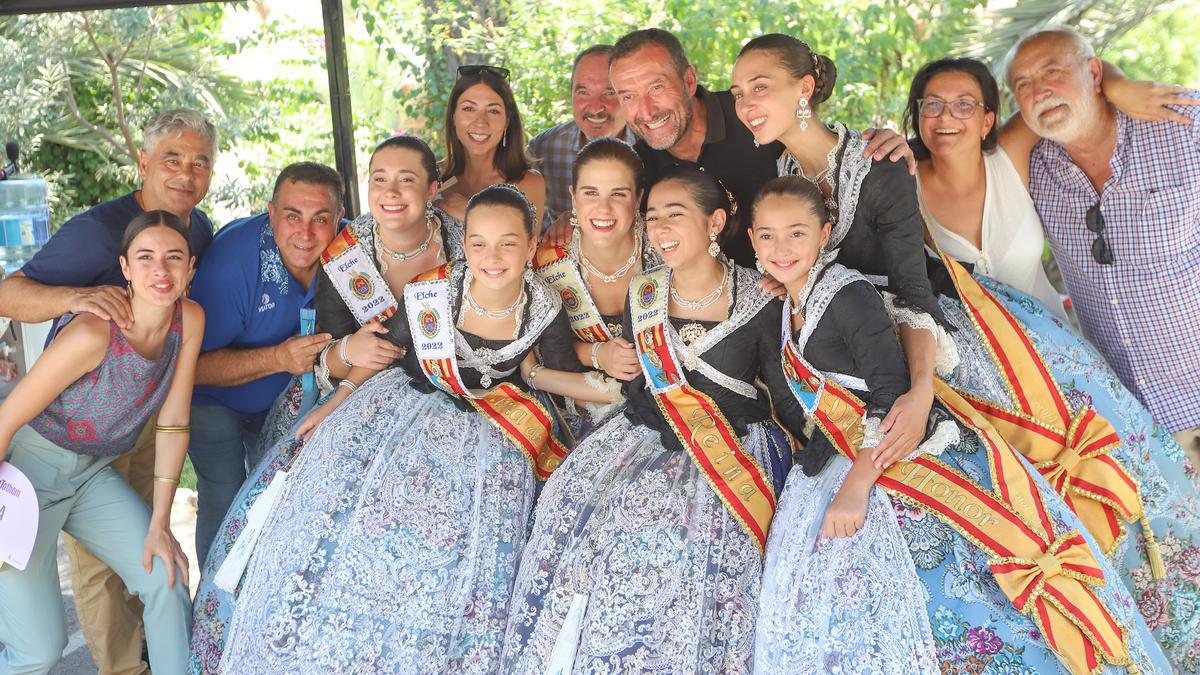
(1050, 577)
(1070, 450)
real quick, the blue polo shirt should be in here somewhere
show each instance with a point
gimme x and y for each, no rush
(84, 251)
(249, 300)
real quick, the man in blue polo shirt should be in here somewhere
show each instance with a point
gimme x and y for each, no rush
(257, 276)
(77, 271)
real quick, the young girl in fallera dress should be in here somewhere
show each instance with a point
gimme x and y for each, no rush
(394, 543)
(850, 584)
(970, 329)
(646, 549)
(592, 271)
(400, 236)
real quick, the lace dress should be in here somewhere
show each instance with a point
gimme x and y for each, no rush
(878, 233)
(213, 607)
(906, 593)
(628, 519)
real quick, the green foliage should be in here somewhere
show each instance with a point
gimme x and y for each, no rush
(1165, 47)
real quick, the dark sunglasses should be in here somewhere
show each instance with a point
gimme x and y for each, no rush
(475, 69)
(1101, 252)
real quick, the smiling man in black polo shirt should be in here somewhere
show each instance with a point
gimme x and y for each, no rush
(677, 121)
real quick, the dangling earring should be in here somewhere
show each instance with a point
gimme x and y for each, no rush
(756, 142)
(714, 249)
(803, 113)
(504, 138)
(527, 275)
(129, 289)
(429, 215)
(574, 220)
(758, 266)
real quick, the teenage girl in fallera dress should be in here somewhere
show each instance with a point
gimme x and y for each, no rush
(395, 541)
(400, 236)
(592, 272)
(1018, 366)
(646, 549)
(850, 583)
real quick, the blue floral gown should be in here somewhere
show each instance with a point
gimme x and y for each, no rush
(878, 231)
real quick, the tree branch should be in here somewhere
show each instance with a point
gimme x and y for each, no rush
(141, 79)
(104, 135)
(118, 99)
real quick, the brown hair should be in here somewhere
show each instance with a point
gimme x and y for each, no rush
(708, 193)
(607, 147)
(799, 60)
(631, 42)
(406, 142)
(503, 194)
(150, 219)
(312, 173)
(510, 159)
(793, 186)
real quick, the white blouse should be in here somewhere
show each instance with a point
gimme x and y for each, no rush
(1012, 234)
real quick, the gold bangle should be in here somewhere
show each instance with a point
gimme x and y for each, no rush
(166, 479)
(164, 429)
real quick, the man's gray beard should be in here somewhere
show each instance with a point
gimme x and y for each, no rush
(1082, 117)
(683, 129)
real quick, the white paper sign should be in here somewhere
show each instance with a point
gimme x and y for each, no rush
(231, 570)
(18, 516)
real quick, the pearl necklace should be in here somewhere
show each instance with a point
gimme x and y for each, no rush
(401, 256)
(481, 311)
(706, 300)
(613, 278)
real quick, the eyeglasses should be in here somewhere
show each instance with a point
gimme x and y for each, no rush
(475, 69)
(961, 109)
(1094, 220)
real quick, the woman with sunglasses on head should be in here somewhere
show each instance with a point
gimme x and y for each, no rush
(485, 142)
(82, 404)
(973, 186)
(395, 541)
(647, 544)
(592, 272)
(401, 235)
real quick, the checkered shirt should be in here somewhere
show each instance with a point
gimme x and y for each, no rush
(556, 148)
(1142, 311)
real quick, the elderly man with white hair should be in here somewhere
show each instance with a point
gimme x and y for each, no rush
(77, 271)
(1120, 202)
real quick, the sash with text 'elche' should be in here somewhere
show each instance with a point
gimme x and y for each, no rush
(1070, 450)
(556, 268)
(1045, 574)
(699, 425)
(517, 415)
(356, 279)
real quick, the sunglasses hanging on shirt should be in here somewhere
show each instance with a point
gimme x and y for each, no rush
(1101, 251)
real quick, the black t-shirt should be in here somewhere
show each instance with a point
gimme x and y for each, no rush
(729, 154)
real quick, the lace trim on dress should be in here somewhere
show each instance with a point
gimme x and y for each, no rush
(947, 351)
(543, 307)
(945, 435)
(851, 171)
(748, 301)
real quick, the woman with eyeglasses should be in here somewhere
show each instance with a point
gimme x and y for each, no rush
(485, 142)
(973, 185)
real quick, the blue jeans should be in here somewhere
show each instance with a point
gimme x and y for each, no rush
(224, 446)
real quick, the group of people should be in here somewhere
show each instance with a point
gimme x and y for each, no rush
(697, 381)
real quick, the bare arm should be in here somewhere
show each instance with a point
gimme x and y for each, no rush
(30, 301)
(561, 382)
(171, 447)
(78, 349)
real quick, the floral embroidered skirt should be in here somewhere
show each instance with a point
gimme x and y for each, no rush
(1169, 483)
(907, 593)
(672, 579)
(392, 548)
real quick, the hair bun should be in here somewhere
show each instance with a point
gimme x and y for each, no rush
(824, 75)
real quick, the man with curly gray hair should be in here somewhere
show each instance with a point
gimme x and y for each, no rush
(77, 271)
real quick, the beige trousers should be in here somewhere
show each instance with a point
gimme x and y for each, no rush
(110, 617)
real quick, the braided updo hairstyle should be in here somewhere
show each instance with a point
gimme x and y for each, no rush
(799, 60)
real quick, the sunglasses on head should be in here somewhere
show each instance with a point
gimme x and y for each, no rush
(1101, 252)
(475, 69)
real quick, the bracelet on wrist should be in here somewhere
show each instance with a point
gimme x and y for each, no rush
(537, 367)
(348, 385)
(595, 361)
(166, 479)
(165, 429)
(342, 352)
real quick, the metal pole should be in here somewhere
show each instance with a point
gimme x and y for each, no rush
(339, 100)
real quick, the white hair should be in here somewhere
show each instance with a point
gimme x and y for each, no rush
(1080, 45)
(173, 121)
